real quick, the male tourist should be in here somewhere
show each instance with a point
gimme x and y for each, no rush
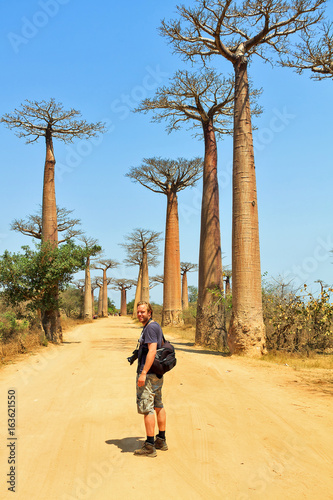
(149, 385)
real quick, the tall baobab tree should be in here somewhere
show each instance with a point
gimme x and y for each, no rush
(123, 285)
(32, 225)
(135, 258)
(94, 285)
(104, 265)
(202, 101)
(237, 31)
(185, 268)
(313, 53)
(98, 283)
(92, 249)
(169, 177)
(142, 250)
(48, 120)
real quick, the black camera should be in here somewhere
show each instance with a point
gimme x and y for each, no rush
(134, 356)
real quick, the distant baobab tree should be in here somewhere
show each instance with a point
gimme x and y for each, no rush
(104, 265)
(185, 268)
(123, 285)
(94, 285)
(32, 225)
(142, 250)
(237, 31)
(48, 120)
(92, 249)
(169, 177)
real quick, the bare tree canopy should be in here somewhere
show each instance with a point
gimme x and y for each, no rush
(194, 99)
(237, 29)
(313, 53)
(32, 225)
(105, 264)
(156, 280)
(39, 118)
(165, 175)
(186, 267)
(123, 284)
(138, 240)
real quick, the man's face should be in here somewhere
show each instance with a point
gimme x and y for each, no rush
(142, 314)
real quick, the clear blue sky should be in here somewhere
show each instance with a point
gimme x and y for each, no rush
(102, 58)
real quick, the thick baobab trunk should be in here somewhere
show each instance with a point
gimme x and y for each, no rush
(100, 301)
(247, 330)
(145, 277)
(88, 312)
(123, 303)
(49, 206)
(105, 296)
(137, 292)
(172, 302)
(210, 323)
(50, 316)
(184, 291)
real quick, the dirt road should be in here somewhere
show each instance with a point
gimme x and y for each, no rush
(236, 430)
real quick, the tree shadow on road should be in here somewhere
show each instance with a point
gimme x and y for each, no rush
(127, 445)
(184, 346)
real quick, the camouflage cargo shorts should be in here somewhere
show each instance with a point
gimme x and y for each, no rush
(149, 396)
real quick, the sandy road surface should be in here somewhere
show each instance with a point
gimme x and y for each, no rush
(236, 430)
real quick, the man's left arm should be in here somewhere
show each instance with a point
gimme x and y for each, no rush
(152, 349)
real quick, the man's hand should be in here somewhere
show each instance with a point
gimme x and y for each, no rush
(142, 379)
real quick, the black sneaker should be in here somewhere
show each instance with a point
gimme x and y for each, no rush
(147, 450)
(160, 444)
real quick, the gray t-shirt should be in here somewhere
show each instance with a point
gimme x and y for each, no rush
(151, 333)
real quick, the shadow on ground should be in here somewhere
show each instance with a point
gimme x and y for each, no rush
(127, 445)
(181, 346)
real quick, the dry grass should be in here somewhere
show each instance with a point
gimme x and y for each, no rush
(301, 361)
(29, 343)
(22, 344)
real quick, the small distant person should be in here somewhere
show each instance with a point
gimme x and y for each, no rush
(149, 385)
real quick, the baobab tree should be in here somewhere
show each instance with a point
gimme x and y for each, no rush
(237, 31)
(142, 250)
(32, 225)
(123, 285)
(186, 267)
(169, 177)
(48, 120)
(93, 287)
(202, 101)
(98, 283)
(104, 265)
(92, 249)
(135, 258)
(313, 53)
(227, 273)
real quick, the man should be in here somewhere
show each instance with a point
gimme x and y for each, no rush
(149, 385)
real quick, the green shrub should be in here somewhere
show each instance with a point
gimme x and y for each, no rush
(10, 326)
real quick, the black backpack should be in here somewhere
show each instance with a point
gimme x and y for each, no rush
(165, 359)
